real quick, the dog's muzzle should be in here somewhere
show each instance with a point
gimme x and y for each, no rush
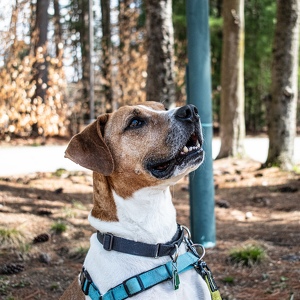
(186, 138)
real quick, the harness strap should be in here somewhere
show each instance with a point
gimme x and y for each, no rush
(140, 282)
(112, 242)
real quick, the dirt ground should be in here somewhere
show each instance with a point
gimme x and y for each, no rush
(253, 206)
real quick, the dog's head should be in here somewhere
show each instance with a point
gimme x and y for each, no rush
(140, 146)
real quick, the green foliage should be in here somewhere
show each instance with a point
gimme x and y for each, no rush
(228, 279)
(11, 237)
(216, 24)
(247, 255)
(54, 286)
(6, 284)
(69, 213)
(78, 205)
(296, 169)
(59, 172)
(79, 253)
(259, 31)
(59, 227)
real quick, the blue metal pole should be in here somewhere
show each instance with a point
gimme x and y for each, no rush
(203, 226)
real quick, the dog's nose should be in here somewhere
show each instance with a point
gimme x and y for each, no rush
(187, 113)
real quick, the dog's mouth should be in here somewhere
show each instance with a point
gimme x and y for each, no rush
(191, 152)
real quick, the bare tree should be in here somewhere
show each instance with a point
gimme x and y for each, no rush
(284, 90)
(131, 55)
(58, 29)
(160, 41)
(40, 47)
(106, 54)
(232, 122)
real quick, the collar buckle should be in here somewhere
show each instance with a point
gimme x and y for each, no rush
(108, 241)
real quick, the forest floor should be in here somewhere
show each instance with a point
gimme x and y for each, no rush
(254, 206)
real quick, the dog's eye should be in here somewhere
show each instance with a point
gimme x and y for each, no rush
(136, 123)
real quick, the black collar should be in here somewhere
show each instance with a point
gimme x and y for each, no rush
(111, 242)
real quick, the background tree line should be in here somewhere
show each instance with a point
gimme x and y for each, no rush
(138, 53)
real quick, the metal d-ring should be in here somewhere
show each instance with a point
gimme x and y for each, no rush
(187, 231)
(202, 248)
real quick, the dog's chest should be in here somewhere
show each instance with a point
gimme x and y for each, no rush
(109, 268)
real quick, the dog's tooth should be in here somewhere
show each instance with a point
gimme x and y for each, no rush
(191, 149)
(185, 149)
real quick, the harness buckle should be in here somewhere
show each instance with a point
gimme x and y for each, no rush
(108, 241)
(85, 281)
(133, 286)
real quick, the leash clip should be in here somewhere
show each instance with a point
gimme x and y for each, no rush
(175, 275)
(203, 270)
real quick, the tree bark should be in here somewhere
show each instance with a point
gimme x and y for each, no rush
(160, 42)
(58, 30)
(284, 89)
(106, 54)
(232, 120)
(40, 32)
(83, 10)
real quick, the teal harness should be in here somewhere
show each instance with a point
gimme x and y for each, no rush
(148, 279)
(138, 283)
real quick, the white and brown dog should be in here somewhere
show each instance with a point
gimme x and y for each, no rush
(136, 154)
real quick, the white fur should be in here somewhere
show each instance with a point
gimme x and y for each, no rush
(148, 216)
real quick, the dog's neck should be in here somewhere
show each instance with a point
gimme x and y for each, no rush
(147, 216)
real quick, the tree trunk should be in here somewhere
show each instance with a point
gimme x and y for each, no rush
(58, 30)
(106, 54)
(40, 32)
(284, 89)
(160, 41)
(131, 56)
(232, 120)
(84, 42)
(13, 25)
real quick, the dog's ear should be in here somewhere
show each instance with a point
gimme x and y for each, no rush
(89, 150)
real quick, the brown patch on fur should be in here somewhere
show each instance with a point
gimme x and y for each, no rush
(104, 205)
(89, 150)
(125, 184)
(153, 104)
(73, 292)
(108, 147)
(131, 148)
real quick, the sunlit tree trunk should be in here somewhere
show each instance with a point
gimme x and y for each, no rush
(160, 41)
(284, 90)
(40, 33)
(131, 56)
(106, 54)
(232, 120)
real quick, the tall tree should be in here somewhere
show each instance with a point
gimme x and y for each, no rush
(232, 122)
(160, 42)
(83, 11)
(131, 55)
(58, 30)
(40, 35)
(284, 90)
(106, 53)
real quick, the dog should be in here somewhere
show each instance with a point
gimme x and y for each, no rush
(136, 153)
